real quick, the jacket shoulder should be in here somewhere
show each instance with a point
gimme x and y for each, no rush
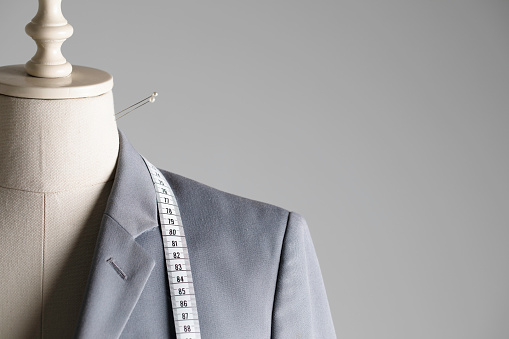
(235, 246)
(214, 202)
(255, 260)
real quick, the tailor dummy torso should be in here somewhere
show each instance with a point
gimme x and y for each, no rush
(58, 151)
(57, 162)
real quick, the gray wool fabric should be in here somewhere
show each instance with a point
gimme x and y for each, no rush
(255, 271)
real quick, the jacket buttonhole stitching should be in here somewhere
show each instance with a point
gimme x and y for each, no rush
(117, 269)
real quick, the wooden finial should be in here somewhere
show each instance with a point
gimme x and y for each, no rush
(49, 29)
(48, 75)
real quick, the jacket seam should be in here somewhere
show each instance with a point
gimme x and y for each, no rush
(119, 224)
(147, 230)
(279, 274)
(132, 236)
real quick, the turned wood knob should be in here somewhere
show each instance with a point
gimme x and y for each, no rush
(49, 29)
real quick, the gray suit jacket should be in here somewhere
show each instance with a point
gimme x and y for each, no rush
(255, 271)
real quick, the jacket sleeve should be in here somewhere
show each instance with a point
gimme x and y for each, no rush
(301, 309)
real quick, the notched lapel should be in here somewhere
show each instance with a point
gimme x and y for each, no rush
(120, 269)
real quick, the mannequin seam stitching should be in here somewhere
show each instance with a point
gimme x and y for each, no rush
(43, 259)
(44, 192)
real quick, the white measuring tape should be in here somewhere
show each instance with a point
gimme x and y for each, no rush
(178, 268)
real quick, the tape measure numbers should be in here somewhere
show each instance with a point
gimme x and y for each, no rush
(178, 268)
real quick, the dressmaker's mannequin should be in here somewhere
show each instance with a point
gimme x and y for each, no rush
(58, 151)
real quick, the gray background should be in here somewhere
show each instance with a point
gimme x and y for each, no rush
(384, 123)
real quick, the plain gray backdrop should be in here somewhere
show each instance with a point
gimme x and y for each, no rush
(384, 123)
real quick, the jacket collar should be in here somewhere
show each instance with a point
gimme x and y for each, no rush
(120, 267)
(132, 201)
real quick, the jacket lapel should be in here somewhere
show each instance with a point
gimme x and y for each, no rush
(121, 267)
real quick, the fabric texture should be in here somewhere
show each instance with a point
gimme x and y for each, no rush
(255, 271)
(37, 136)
